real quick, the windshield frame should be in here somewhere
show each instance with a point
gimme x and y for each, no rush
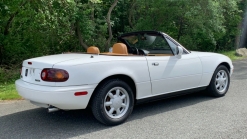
(162, 34)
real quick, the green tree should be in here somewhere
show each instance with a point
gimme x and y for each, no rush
(30, 28)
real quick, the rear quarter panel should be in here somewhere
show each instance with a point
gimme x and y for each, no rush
(95, 72)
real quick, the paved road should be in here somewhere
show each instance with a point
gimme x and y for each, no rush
(190, 116)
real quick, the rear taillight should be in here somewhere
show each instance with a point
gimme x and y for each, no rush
(54, 75)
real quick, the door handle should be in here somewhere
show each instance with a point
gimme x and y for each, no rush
(155, 64)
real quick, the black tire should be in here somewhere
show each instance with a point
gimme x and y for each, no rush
(216, 88)
(102, 95)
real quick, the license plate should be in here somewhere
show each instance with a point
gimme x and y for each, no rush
(26, 72)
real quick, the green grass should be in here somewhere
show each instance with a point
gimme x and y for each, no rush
(7, 83)
(231, 55)
(8, 92)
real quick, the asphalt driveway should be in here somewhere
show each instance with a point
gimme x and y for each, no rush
(190, 116)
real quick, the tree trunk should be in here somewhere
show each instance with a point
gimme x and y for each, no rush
(1, 54)
(108, 21)
(131, 14)
(7, 27)
(237, 38)
(92, 12)
(82, 43)
(242, 43)
(180, 28)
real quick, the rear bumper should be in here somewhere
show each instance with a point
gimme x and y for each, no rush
(60, 97)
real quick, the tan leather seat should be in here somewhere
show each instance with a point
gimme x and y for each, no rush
(93, 50)
(120, 48)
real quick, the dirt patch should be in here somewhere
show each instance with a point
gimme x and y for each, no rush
(10, 101)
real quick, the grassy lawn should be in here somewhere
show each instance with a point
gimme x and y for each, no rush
(8, 92)
(231, 55)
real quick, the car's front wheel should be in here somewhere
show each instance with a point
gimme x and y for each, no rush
(220, 82)
(112, 102)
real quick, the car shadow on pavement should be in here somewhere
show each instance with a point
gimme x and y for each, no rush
(38, 123)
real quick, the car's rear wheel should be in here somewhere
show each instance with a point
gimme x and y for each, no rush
(220, 82)
(112, 102)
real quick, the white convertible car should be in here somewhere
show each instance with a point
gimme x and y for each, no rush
(143, 66)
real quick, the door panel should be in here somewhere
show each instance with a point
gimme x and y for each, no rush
(170, 74)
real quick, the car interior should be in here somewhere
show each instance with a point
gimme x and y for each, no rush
(145, 45)
(120, 49)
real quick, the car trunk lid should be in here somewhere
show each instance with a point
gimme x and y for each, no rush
(31, 68)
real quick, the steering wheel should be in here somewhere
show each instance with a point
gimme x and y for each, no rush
(137, 51)
(134, 50)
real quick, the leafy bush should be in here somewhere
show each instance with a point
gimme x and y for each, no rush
(9, 75)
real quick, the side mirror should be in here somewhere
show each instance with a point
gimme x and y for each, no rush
(179, 51)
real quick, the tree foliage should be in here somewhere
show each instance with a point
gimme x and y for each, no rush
(30, 28)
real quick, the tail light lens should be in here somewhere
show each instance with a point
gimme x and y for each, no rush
(54, 75)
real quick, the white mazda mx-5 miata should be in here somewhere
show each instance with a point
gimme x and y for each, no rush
(143, 66)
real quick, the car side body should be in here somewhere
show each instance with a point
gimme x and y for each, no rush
(148, 76)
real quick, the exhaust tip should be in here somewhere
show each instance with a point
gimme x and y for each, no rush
(52, 109)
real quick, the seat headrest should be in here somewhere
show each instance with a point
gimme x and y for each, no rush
(93, 50)
(120, 48)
